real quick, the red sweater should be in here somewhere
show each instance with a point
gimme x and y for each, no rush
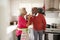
(21, 24)
(39, 22)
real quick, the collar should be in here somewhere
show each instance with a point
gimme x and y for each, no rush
(37, 14)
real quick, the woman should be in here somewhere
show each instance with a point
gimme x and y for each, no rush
(22, 23)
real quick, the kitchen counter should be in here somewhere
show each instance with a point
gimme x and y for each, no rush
(48, 30)
(52, 30)
(11, 28)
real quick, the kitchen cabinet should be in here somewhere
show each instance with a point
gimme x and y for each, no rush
(52, 5)
(56, 37)
(54, 31)
(46, 37)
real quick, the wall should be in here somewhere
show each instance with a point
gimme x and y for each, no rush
(4, 19)
(17, 4)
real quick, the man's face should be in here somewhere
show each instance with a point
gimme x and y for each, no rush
(34, 10)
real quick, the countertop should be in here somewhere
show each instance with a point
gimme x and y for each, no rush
(52, 30)
(11, 28)
(48, 30)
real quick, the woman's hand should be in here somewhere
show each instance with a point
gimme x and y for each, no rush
(28, 23)
(29, 17)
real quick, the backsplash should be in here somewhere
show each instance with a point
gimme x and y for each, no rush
(52, 17)
(52, 20)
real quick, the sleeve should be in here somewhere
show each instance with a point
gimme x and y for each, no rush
(21, 22)
(44, 23)
(31, 20)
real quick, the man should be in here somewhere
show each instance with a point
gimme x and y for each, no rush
(39, 23)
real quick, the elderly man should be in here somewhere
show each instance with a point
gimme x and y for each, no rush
(39, 23)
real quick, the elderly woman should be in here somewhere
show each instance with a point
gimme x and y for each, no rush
(22, 23)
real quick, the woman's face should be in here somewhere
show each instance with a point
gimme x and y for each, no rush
(23, 11)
